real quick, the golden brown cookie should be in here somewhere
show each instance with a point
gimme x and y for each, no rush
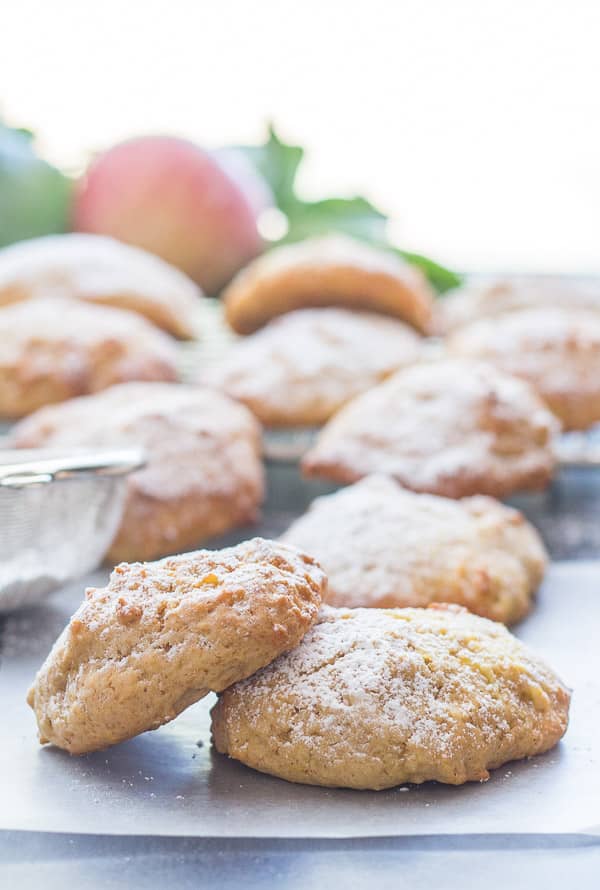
(162, 635)
(53, 349)
(203, 474)
(556, 350)
(489, 297)
(100, 270)
(303, 366)
(384, 546)
(373, 698)
(334, 270)
(451, 427)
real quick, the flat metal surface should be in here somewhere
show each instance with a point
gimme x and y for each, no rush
(426, 863)
(164, 781)
(162, 808)
(171, 782)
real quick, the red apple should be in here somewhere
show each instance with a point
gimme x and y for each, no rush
(175, 200)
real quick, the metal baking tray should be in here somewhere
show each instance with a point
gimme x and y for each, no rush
(171, 782)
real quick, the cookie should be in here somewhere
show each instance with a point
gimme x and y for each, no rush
(162, 635)
(489, 297)
(100, 270)
(203, 474)
(383, 546)
(451, 427)
(373, 698)
(303, 366)
(334, 270)
(53, 349)
(556, 350)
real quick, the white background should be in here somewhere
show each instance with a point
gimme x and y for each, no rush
(475, 123)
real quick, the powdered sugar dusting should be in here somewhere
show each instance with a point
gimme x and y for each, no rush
(410, 694)
(382, 545)
(443, 426)
(306, 364)
(96, 268)
(555, 349)
(480, 298)
(190, 435)
(160, 635)
(59, 321)
(178, 575)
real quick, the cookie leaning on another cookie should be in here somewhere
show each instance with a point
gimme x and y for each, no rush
(384, 546)
(373, 698)
(100, 270)
(303, 366)
(334, 270)
(53, 349)
(162, 635)
(556, 350)
(203, 473)
(451, 427)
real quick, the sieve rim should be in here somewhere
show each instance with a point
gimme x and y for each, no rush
(22, 468)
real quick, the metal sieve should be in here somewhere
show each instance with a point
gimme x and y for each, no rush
(58, 515)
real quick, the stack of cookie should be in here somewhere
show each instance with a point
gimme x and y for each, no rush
(359, 698)
(367, 647)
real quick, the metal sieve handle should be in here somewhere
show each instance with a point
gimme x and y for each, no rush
(22, 468)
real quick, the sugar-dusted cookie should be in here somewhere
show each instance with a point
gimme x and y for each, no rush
(334, 270)
(303, 366)
(52, 349)
(557, 350)
(203, 474)
(451, 427)
(162, 635)
(492, 296)
(373, 698)
(100, 270)
(384, 546)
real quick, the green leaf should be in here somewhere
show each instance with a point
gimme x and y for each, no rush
(440, 277)
(278, 163)
(353, 216)
(34, 196)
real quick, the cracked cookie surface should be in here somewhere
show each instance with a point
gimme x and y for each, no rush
(100, 270)
(203, 474)
(453, 427)
(384, 546)
(494, 296)
(162, 635)
(556, 350)
(53, 349)
(374, 698)
(303, 366)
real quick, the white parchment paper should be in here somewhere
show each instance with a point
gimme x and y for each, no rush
(165, 783)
